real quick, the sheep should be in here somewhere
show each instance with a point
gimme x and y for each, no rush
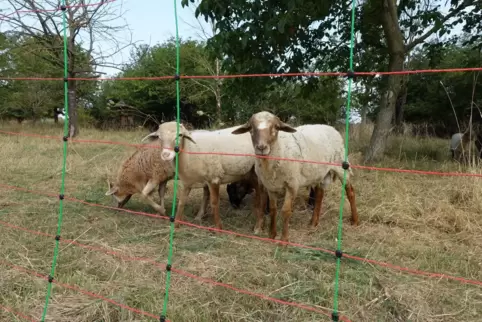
(198, 166)
(145, 166)
(143, 171)
(238, 190)
(272, 137)
(459, 145)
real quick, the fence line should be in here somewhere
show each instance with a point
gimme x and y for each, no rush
(64, 166)
(361, 167)
(351, 74)
(410, 271)
(307, 74)
(76, 288)
(178, 271)
(12, 311)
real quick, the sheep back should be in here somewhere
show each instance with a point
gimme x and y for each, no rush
(144, 164)
(216, 168)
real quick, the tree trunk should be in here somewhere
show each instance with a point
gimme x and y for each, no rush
(72, 86)
(364, 108)
(399, 107)
(218, 94)
(396, 49)
(72, 101)
(400, 104)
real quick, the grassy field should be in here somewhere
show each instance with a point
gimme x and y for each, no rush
(430, 223)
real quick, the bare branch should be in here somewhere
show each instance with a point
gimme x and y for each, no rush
(87, 24)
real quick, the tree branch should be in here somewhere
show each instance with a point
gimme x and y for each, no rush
(435, 28)
(42, 21)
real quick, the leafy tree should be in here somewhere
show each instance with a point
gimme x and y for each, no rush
(320, 98)
(286, 36)
(448, 101)
(86, 22)
(158, 98)
(32, 99)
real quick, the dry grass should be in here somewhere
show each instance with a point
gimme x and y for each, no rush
(426, 222)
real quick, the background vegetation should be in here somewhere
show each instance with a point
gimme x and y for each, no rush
(263, 37)
(423, 222)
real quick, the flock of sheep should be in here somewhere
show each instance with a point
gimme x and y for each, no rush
(206, 160)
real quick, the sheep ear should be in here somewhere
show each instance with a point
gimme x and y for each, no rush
(151, 137)
(242, 129)
(111, 191)
(285, 128)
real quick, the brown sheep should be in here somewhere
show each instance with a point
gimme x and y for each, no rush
(143, 171)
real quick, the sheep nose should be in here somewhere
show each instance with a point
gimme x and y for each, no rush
(166, 154)
(261, 147)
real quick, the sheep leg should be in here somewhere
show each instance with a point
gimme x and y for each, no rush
(183, 195)
(311, 198)
(287, 211)
(319, 193)
(266, 211)
(204, 204)
(151, 184)
(214, 196)
(162, 191)
(273, 211)
(259, 205)
(123, 202)
(350, 192)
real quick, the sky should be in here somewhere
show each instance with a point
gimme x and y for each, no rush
(149, 22)
(153, 21)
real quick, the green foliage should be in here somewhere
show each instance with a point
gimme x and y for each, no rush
(26, 99)
(32, 99)
(154, 101)
(297, 35)
(317, 100)
(434, 98)
(157, 98)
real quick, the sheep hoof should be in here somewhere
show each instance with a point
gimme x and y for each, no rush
(200, 216)
(312, 227)
(257, 231)
(161, 211)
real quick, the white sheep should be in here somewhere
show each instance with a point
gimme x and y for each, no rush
(197, 166)
(143, 171)
(459, 145)
(318, 142)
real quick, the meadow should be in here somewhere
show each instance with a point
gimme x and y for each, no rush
(425, 222)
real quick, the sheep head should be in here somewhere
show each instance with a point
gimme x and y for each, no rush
(116, 192)
(264, 128)
(167, 134)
